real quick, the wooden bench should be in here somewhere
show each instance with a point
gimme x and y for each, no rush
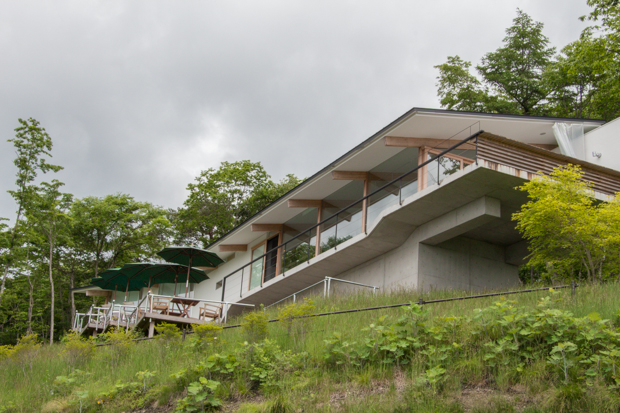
(210, 310)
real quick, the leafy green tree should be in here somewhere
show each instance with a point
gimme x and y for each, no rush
(32, 144)
(48, 216)
(460, 90)
(516, 69)
(567, 228)
(573, 78)
(511, 77)
(116, 229)
(597, 55)
(265, 194)
(222, 199)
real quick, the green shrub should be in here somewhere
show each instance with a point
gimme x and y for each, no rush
(205, 335)
(119, 344)
(200, 397)
(167, 333)
(295, 317)
(26, 350)
(63, 385)
(77, 349)
(5, 353)
(255, 326)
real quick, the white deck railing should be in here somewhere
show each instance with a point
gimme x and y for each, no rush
(225, 305)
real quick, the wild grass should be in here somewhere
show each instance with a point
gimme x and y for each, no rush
(317, 387)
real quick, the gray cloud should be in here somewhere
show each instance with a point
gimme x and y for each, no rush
(140, 96)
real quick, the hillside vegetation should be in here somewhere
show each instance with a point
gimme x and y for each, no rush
(545, 351)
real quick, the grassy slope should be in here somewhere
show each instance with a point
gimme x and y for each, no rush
(317, 387)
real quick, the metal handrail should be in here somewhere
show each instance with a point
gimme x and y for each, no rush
(364, 198)
(134, 313)
(326, 288)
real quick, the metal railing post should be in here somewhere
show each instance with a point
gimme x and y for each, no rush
(329, 285)
(400, 192)
(325, 287)
(283, 259)
(224, 287)
(294, 298)
(241, 286)
(336, 233)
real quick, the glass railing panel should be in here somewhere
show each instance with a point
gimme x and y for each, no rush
(299, 250)
(380, 201)
(342, 227)
(408, 185)
(440, 168)
(349, 224)
(236, 284)
(327, 233)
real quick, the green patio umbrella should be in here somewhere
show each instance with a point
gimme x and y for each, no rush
(171, 273)
(190, 256)
(115, 279)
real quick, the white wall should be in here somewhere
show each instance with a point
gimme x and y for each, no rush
(206, 289)
(606, 141)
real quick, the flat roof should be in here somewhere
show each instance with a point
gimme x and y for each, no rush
(417, 122)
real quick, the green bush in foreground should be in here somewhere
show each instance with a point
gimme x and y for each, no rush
(563, 362)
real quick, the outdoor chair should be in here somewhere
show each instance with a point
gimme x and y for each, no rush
(161, 304)
(210, 310)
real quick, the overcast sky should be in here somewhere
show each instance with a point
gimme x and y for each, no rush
(140, 96)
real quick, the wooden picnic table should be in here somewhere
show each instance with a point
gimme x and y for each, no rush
(184, 305)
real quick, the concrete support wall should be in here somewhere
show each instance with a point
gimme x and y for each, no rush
(437, 256)
(465, 264)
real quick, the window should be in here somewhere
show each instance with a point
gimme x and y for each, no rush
(265, 268)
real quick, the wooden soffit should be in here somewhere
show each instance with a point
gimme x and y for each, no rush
(233, 247)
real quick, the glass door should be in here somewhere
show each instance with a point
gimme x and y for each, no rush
(271, 263)
(256, 272)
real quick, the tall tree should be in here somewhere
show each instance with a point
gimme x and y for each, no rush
(117, 229)
(48, 216)
(216, 200)
(515, 70)
(511, 78)
(224, 198)
(32, 144)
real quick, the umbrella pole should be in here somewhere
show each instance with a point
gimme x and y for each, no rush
(126, 291)
(187, 280)
(175, 284)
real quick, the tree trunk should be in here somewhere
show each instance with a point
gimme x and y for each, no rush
(51, 295)
(30, 303)
(11, 245)
(71, 295)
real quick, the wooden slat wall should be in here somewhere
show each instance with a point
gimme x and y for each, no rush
(495, 153)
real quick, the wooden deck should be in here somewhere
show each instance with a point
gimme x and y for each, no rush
(146, 322)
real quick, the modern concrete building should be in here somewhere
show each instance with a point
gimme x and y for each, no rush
(424, 203)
